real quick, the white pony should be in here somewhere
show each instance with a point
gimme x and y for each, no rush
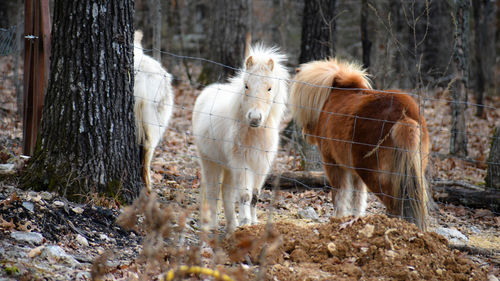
(153, 104)
(236, 129)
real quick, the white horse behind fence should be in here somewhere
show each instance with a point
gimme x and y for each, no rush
(154, 100)
(236, 129)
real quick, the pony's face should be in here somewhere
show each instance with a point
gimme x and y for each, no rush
(259, 92)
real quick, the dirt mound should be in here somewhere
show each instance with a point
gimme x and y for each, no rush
(374, 248)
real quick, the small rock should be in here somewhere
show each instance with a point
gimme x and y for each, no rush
(83, 275)
(34, 196)
(77, 210)
(104, 237)
(56, 254)
(28, 206)
(452, 235)
(492, 277)
(7, 169)
(367, 230)
(475, 229)
(391, 253)
(46, 195)
(331, 248)
(58, 203)
(34, 238)
(82, 240)
(308, 213)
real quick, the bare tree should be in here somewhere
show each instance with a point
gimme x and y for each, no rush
(317, 42)
(365, 40)
(493, 174)
(458, 142)
(156, 15)
(436, 38)
(229, 24)
(484, 49)
(87, 141)
(318, 30)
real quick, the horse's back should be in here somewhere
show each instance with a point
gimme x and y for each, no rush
(359, 121)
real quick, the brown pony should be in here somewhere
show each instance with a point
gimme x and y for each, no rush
(366, 138)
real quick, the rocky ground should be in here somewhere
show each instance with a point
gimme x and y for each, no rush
(45, 237)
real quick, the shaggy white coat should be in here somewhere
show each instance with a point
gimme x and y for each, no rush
(154, 101)
(236, 129)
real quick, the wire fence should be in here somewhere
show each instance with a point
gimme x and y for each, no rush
(11, 75)
(438, 153)
(287, 172)
(176, 161)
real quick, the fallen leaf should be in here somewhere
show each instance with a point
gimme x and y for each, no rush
(35, 251)
(6, 224)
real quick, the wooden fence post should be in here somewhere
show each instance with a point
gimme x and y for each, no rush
(36, 66)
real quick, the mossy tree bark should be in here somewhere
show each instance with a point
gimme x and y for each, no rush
(87, 141)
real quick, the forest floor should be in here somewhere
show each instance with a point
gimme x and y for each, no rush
(45, 237)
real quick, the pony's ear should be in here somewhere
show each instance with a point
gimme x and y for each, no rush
(249, 62)
(270, 63)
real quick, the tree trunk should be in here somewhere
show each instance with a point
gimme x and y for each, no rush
(458, 142)
(400, 40)
(226, 40)
(365, 41)
(8, 13)
(484, 50)
(87, 142)
(155, 13)
(317, 42)
(479, 199)
(318, 30)
(479, 26)
(493, 174)
(436, 39)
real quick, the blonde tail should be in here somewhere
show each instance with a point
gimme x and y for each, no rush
(409, 187)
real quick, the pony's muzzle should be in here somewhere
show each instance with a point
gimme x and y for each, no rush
(254, 118)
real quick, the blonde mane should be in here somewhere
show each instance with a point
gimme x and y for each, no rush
(313, 83)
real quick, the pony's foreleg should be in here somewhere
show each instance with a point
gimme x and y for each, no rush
(259, 182)
(228, 199)
(210, 187)
(244, 180)
(360, 196)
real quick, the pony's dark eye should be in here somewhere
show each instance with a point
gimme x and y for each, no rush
(269, 89)
(246, 87)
